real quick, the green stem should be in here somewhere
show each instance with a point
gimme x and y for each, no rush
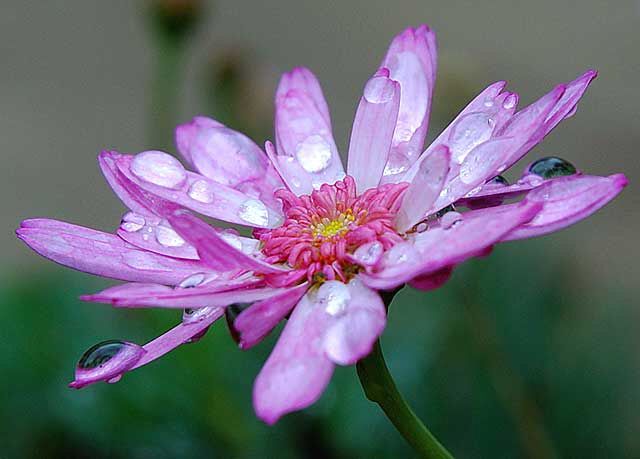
(380, 388)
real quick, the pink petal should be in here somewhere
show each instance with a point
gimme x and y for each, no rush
(214, 250)
(425, 188)
(440, 247)
(303, 134)
(102, 254)
(227, 157)
(255, 322)
(567, 200)
(373, 129)
(212, 294)
(432, 281)
(412, 61)
(357, 325)
(298, 370)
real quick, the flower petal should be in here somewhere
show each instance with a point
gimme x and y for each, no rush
(255, 322)
(303, 134)
(227, 157)
(103, 254)
(425, 188)
(356, 329)
(298, 370)
(412, 61)
(567, 200)
(440, 247)
(214, 250)
(372, 132)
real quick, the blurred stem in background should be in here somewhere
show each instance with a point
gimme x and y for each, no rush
(380, 388)
(172, 23)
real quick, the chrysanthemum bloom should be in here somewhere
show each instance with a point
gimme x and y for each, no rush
(325, 241)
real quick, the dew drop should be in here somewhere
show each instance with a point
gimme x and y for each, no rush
(488, 102)
(551, 167)
(379, 90)
(368, 254)
(192, 315)
(472, 130)
(510, 101)
(422, 227)
(335, 297)
(450, 219)
(167, 237)
(254, 212)
(314, 153)
(192, 281)
(132, 222)
(98, 354)
(201, 191)
(159, 168)
(231, 239)
(498, 180)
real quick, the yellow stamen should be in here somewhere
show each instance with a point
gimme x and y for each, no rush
(328, 228)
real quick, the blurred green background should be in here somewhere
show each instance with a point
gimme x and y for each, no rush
(530, 352)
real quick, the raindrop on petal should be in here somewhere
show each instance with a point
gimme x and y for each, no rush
(335, 297)
(192, 281)
(159, 168)
(313, 153)
(472, 130)
(510, 101)
(551, 167)
(106, 361)
(192, 315)
(132, 222)
(379, 90)
(368, 254)
(167, 236)
(254, 212)
(201, 191)
(450, 219)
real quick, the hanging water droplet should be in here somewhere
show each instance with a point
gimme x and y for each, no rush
(167, 236)
(254, 212)
(197, 337)
(231, 313)
(550, 167)
(498, 180)
(106, 361)
(335, 297)
(379, 90)
(191, 315)
(450, 219)
(100, 353)
(192, 281)
(510, 101)
(159, 168)
(314, 153)
(201, 191)
(132, 222)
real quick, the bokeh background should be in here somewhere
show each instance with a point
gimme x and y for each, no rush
(531, 352)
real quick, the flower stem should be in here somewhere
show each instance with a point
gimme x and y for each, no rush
(380, 388)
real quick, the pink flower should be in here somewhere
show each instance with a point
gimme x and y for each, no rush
(324, 241)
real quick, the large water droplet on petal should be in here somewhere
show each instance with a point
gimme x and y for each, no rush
(159, 168)
(498, 180)
(551, 166)
(192, 281)
(231, 239)
(192, 315)
(379, 90)
(313, 153)
(201, 191)
(472, 130)
(167, 236)
(510, 101)
(335, 297)
(106, 361)
(132, 222)
(254, 212)
(450, 219)
(368, 254)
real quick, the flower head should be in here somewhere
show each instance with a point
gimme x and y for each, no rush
(324, 241)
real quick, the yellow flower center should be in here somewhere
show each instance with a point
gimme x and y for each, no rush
(327, 228)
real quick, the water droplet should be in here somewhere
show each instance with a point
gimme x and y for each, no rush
(115, 379)
(335, 297)
(132, 222)
(141, 260)
(167, 237)
(550, 167)
(491, 122)
(498, 180)
(444, 210)
(472, 130)
(98, 354)
(368, 254)
(450, 219)
(422, 227)
(197, 337)
(201, 191)
(510, 101)
(231, 239)
(254, 212)
(192, 281)
(159, 168)
(191, 315)
(313, 153)
(488, 102)
(379, 90)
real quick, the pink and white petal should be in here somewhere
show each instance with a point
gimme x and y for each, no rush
(439, 247)
(411, 60)
(298, 369)
(425, 188)
(373, 129)
(221, 295)
(301, 78)
(103, 254)
(303, 132)
(166, 191)
(359, 319)
(257, 321)
(567, 200)
(214, 249)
